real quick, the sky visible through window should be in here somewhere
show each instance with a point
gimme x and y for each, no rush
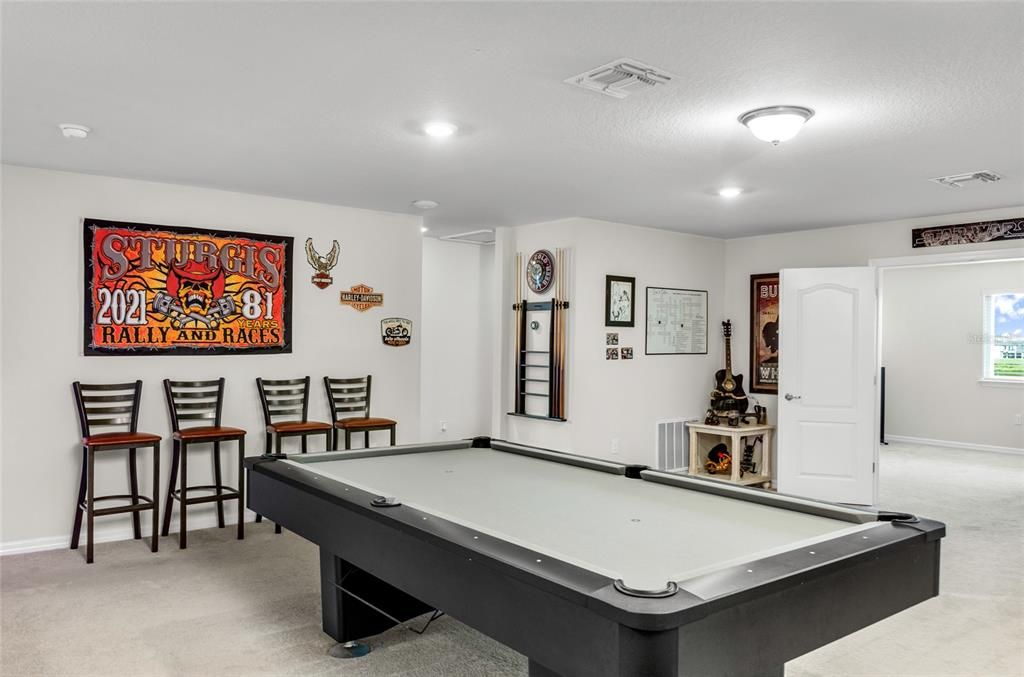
(1008, 334)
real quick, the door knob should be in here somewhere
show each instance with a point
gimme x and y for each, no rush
(791, 396)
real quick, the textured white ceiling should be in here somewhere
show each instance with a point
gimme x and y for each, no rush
(323, 101)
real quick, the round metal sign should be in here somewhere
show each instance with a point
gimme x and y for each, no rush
(540, 271)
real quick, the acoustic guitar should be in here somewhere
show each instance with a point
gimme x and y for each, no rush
(728, 394)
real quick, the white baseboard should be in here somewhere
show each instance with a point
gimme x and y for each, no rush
(956, 445)
(113, 532)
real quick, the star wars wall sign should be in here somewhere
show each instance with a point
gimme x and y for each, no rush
(362, 298)
(166, 289)
(322, 264)
(968, 233)
(396, 331)
(540, 271)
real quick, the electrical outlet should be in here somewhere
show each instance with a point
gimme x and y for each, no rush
(1018, 419)
(615, 445)
(443, 426)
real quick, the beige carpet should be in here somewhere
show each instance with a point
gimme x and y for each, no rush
(252, 608)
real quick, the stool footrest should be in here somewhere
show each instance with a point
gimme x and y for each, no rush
(227, 494)
(145, 503)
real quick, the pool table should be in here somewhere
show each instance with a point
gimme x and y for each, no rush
(592, 568)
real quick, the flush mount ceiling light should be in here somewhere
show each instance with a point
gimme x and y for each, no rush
(74, 131)
(776, 124)
(423, 229)
(439, 129)
(729, 191)
(424, 204)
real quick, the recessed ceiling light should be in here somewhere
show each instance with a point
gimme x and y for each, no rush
(776, 124)
(439, 129)
(423, 229)
(74, 131)
(730, 191)
(424, 204)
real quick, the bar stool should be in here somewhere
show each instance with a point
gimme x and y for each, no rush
(112, 405)
(201, 401)
(352, 395)
(287, 397)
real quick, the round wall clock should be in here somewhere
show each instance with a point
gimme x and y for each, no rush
(540, 271)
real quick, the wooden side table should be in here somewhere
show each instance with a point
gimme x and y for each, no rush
(703, 437)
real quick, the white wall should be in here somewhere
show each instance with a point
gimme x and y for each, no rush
(456, 344)
(42, 331)
(845, 246)
(931, 318)
(612, 400)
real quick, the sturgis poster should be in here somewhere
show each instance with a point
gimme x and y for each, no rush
(764, 333)
(165, 289)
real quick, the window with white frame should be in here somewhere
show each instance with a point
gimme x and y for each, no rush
(1004, 336)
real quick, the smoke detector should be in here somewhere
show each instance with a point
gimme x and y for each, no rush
(620, 78)
(472, 237)
(958, 180)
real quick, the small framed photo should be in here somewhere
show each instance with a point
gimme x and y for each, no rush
(611, 338)
(619, 301)
(626, 353)
(611, 353)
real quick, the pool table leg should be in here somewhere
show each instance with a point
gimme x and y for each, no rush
(346, 618)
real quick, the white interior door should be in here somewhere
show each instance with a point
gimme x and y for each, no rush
(827, 446)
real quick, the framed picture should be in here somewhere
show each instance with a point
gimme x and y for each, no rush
(611, 353)
(677, 321)
(626, 353)
(619, 301)
(611, 338)
(764, 333)
(171, 290)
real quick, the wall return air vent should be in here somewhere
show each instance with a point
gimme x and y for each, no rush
(620, 78)
(959, 180)
(472, 237)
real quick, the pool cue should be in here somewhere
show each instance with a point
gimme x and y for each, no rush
(555, 361)
(556, 387)
(517, 306)
(563, 279)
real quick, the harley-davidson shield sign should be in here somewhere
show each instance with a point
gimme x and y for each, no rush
(362, 298)
(166, 289)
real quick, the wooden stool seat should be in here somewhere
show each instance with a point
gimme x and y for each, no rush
(209, 433)
(298, 427)
(368, 422)
(200, 401)
(120, 440)
(113, 405)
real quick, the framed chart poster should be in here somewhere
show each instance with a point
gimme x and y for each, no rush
(677, 321)
(764, 333)
(166, 289)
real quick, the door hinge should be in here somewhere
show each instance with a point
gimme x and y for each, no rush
(873, 467)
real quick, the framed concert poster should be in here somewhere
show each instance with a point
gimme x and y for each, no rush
(185, 291)
(619, 301)
(764, 333)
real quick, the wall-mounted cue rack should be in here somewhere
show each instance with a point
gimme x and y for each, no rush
(540, 373)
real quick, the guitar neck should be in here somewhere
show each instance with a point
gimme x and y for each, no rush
(728, 355)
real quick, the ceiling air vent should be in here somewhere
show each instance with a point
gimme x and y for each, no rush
(620, 78)
(472, 237)
(958, 180)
